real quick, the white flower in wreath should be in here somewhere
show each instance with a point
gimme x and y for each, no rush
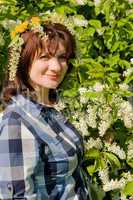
(81, 2)
(97, 2)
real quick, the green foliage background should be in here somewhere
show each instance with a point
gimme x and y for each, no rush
(104, 34)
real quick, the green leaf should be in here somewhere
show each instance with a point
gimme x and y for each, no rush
(106, 9)
(128, 190)
(101, 163)
(122, 22)
(90, 31)
(129, 79)
(115, 46)
(114, 59)
(92, 94)
(124, 63)
(114, 75)
(97, 192)
(70, 93)
(130, 163)
(93, 153)
(113, 159)
(64, 9)
(95, 23)
(91, 169)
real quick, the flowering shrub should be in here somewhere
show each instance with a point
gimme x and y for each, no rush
(97, 96)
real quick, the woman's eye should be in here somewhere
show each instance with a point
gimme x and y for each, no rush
(62, 57)
(45, 57)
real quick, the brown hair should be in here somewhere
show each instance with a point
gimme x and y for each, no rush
(32, 43)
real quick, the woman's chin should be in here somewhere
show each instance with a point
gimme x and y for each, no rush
(52, 86)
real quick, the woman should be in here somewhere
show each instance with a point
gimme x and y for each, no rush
(41, 152)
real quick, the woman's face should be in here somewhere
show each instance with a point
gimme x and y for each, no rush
(48, 72)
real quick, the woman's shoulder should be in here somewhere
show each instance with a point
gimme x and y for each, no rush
(10, 115)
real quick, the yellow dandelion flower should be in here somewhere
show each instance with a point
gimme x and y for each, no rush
(22, 27)
(13, 34)
(35, 20)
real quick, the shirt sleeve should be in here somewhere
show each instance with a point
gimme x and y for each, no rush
(15, 172)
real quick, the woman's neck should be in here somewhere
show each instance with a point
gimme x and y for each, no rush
(43, 96)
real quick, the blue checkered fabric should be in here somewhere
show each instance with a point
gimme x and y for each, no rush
(41, 154)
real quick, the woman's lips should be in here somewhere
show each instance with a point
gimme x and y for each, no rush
(53, 77)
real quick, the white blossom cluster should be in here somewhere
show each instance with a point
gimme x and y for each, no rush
(98, 87)
(128, 176)
(14, 57)
(124, 86)
(105, 116)
(83, 98)
(131, 60)
(60, 106)
(124, 197)
(125, 113)
(92, 116)
(110, 184)
(104, 175)
(116, 99)
(97, 143)
(101, 114)
(113, 184)
(115, 148)
(128, 72)
(80, 22)
(103, 127)
(130, 150)
(81, 125)
(59, 18)
(82, 90)
(8, 23)
(81, 2)
(97, 2)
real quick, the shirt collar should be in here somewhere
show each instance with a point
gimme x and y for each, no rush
(28, 104)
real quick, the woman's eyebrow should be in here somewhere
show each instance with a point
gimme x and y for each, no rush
(44, 54)
(61, 53)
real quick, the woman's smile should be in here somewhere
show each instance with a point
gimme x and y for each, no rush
(52, 76)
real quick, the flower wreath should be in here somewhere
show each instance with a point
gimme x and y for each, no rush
(33, 24)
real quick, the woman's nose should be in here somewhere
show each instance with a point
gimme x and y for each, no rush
(54, 65)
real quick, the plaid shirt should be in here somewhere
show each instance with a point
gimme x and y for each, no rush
(41, 154)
